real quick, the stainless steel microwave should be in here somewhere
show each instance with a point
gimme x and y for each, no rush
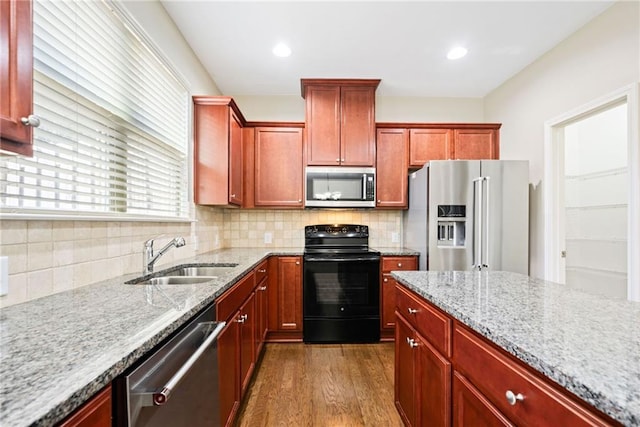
(340, 187)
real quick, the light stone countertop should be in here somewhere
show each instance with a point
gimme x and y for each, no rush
(57, 351)
(588, 344)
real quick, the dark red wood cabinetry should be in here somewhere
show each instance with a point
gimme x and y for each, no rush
(392, 155)
(340, 121)
(448, 374)
(285, 299)
(388, 290)
(16, 76)
(217, 153)
(96, 412)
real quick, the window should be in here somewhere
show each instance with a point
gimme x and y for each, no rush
(114, 121)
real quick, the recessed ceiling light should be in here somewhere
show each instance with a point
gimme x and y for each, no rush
(281, 50)
(457, 52)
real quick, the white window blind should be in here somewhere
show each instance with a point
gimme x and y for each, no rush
(114, 121)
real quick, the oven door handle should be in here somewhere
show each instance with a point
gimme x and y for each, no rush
(356, 258)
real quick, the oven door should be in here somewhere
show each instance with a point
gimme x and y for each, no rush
(341, 286)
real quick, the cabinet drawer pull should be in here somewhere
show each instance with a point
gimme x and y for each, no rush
(513, 398)
(262, 288)
(412, 343)
(262, 271)
(412, 310)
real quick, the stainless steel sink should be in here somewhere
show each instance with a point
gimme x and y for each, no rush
(187, 275)
(176, 280)
(203, 271)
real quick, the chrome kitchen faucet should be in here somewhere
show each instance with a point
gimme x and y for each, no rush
(148, 258)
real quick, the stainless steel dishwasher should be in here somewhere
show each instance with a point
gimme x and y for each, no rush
(177, 385)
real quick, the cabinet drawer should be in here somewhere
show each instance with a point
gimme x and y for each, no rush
(261, 271)
(495, 374)
(232, 299)
(427, 320)
(399, 263)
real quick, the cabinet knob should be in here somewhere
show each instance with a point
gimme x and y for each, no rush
(385, 280)
(513, 398)
(233, 195)
(241, 319)
(399, 264)
(412, 343)
(299, 200)
(297, 262)
(263, 288)
(412, 310)
(31, 120)
(262, 270)
(338, 160)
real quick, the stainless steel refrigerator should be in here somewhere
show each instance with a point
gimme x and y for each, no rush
(469, 215)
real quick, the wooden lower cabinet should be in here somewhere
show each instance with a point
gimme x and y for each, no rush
(229, 373)
(94, 413)
(423, 379)
(262, 307)
(446, 373)
(247, 320)
(470, 407)
(285, 299)
(237, 346)
(388, 291)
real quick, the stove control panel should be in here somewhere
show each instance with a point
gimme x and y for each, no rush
(336, 230)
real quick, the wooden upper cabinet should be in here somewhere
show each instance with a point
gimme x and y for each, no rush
(392, 146)
(278, 180)
(449, 141)
(429, 144)
(340, 121)
(472, 144)
(16, 76)
(217, 153)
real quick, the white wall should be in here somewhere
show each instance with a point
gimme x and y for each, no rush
(597, 60)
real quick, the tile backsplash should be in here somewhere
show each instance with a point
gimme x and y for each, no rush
(46, 257)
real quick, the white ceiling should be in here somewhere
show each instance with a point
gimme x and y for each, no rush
(402, 43)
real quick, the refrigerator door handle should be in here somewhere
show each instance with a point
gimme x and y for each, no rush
(477, 225)
(485, 226)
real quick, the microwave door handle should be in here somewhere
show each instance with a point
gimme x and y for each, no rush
(364, 186)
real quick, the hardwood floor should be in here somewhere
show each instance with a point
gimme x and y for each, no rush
(322, 385)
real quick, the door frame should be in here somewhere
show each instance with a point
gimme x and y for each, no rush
(553, 191)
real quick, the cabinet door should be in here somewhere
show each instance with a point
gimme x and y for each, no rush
(278, 167)
(434, 385)
(262, 307)
(405, 372)
(290, 293)
(471, 408)
(475, 144)
(229, 371)
(94, 413)
(235, 160)
(357, 126)
(392, 168)
(323, 125)
(429, 144)
(247, 321)
(16, 76)
(388, 302)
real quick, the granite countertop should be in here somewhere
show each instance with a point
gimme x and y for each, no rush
(588, 344)
(390, 251)
(57, 351)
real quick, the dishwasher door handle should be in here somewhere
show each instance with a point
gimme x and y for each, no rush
(161, 397)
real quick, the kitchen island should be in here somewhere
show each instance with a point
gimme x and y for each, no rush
(589, 345)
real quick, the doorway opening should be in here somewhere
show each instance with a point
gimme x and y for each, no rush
(593, 197)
